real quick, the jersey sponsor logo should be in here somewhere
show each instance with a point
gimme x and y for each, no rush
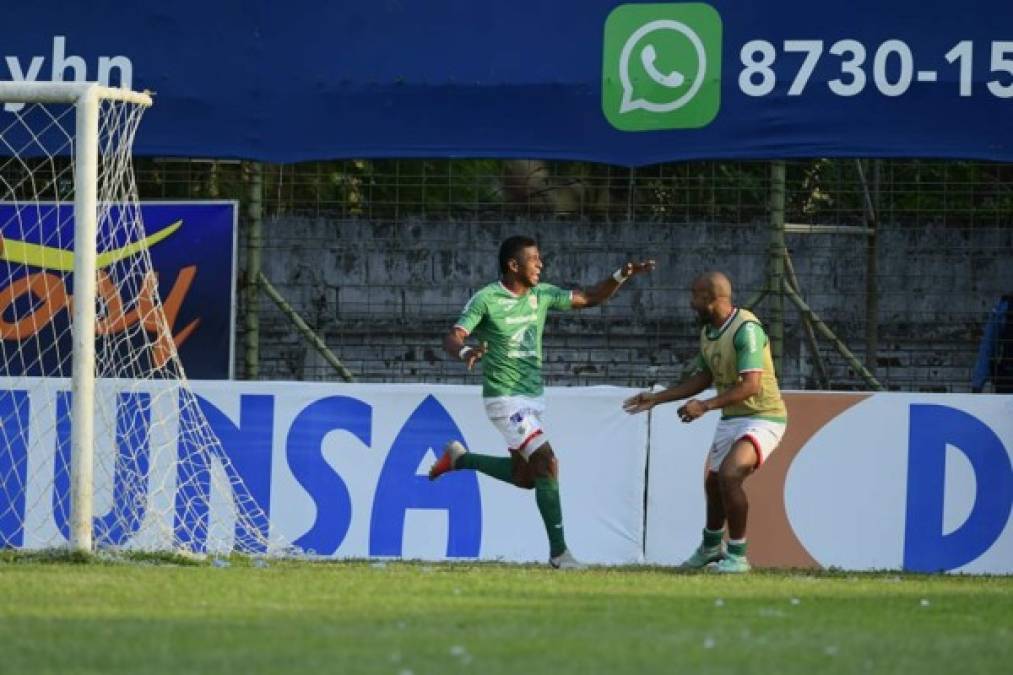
(521, 354)
(522, 342)
(520, 319)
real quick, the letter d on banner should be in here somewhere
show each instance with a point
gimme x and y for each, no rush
(932, 428)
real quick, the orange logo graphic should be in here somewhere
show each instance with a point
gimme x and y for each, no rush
(48, 295)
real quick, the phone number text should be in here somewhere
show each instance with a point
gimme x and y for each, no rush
(893, 67)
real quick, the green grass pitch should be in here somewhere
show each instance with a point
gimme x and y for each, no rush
(153, 616)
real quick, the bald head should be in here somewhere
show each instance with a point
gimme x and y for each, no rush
(715, 283)
(712, 297)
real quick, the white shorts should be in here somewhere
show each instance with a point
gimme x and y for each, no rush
(763, 434)
(519, 419)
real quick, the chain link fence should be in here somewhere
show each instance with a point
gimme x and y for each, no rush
(903, 260)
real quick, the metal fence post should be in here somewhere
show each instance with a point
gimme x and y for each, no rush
(871, 293)
(254, 246)
(775, 266)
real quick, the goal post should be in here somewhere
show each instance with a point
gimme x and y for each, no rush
(84, 99)
(85, 253)
(79, 301)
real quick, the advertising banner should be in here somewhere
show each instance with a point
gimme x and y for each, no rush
(630, 83)
(340, 470)
(192, 248)
(920, 482)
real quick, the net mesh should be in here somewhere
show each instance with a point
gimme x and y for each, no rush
(163, 480)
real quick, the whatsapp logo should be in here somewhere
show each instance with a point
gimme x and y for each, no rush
(661, 66)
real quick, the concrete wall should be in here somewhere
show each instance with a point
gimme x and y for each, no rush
(383, 294)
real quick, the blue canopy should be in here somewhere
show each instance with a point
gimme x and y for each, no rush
(633, 84)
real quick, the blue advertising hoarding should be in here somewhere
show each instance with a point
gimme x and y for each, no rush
(338, 470)
(627, 83)
(192, 249)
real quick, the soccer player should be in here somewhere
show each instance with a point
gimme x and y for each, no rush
(507, 318)
(735, 358)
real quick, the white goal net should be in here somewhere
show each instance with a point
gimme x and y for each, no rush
(125, 459)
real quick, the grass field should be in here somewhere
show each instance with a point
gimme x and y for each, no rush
(156, 617)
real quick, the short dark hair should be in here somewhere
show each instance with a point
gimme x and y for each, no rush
(511, 248)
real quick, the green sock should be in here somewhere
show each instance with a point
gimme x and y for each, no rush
(737, 548)
(712, 538)
(547, 498)
(497, 467)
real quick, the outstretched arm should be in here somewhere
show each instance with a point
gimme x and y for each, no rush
(453, 344)
(646, 400)
(593, 297)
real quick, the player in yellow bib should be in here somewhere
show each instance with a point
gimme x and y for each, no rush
(507, 318)
(735, 359)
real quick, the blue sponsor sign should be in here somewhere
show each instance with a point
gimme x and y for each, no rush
(927, 548)
(628, 83)
(246, 452)
(337, 470)
(192, 249)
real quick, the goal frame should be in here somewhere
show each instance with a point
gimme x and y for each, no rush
(85, 97)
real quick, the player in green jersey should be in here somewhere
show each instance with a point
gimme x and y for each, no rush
(507, 318)
(735, 358)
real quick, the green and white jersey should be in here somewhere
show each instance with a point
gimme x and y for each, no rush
(511, 325)
(739, 346)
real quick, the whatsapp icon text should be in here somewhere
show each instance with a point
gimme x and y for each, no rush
(661, 66)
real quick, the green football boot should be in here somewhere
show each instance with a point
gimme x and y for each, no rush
(732, 564)
(702, 556)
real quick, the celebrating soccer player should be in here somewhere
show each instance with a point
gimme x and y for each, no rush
(507, 318)
(735, 358)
